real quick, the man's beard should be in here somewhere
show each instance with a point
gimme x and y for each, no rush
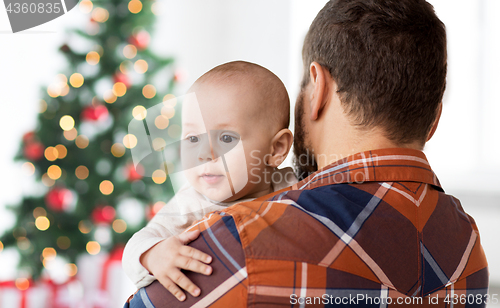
(303, 161)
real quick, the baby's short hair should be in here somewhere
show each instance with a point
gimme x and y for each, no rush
(271, 88)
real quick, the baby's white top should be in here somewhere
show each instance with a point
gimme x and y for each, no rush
(177, 215)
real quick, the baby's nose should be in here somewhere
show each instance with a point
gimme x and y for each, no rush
(205, 151)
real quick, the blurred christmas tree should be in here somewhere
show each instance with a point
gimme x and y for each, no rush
(93, 198)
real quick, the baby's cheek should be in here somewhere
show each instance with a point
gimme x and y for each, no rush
(255, 163)
(236, 165)
(191, 176)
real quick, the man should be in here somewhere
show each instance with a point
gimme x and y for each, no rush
(370, 226)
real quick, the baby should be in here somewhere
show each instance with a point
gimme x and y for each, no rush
(234, 136)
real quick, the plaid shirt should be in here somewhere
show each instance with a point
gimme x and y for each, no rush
(372, 230)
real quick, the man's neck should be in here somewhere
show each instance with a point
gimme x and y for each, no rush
(362, 142)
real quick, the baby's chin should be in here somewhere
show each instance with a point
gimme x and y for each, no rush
(220, 197)
(214, 194)
(227, 196)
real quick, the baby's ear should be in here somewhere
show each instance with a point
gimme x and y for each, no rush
(280, 147)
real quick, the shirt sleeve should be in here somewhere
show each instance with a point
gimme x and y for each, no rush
(227, 285)
(169, 221)
(142, 241)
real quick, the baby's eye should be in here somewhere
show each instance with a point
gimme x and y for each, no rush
(227, 138)
(193, 139)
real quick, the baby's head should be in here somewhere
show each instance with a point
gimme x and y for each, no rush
(235, 133)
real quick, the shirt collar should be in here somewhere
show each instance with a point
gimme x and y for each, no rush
(384, 165)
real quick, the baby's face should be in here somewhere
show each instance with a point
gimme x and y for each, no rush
(224, 143)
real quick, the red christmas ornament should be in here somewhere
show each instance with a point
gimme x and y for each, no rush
(33, 150)
(117, 252)
(119, 77)
(134, 173)
(29, 137)
(95, 113)
(140, 40)
(58, 199)
(103, 215)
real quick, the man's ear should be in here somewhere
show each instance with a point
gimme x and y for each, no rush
(319, 93)
(280, 146)
(436, 121)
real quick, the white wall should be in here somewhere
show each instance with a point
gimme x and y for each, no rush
(204, 34)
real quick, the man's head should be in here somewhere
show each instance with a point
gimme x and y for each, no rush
(386, 60)
(244, 108)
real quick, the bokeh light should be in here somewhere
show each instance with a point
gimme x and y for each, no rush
(158, 206)
(119, 89)
(19, 232)
(119, 226)
(85, 6)
(70, 134)
(156, 8)
(100, 14)
(118, 150)
(28, 168)
(130, 51)
(64, 90)
(43, 106)
(76, 80)
(54, 172)
(170, 100)
(159, 176)
(139, 112)
(22, 284)
(109, 97)
(124, 66)
(93, 58)
(141, 66)
(93, 247)
(82, 141)
(149, 91)
(39, 211)
(135, 6)
(161, 122)
(42, 223)
(159, 144)
(67, 122)
(130, 141)
(168, 111)
(63, 242)
(82, 172)
(51, 153)
(49, 253)
(106, 187)
(53, 90)
(71, 269)
(85, 226)
(23, 243)
(61, 151)
(47, 181)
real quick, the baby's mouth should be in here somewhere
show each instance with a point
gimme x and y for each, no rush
(212, 178)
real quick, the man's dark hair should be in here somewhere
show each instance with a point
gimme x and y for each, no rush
(388, 58)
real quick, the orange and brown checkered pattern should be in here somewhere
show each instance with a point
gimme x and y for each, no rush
(372, 230)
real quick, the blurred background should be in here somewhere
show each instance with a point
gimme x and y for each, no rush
(200, 34)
